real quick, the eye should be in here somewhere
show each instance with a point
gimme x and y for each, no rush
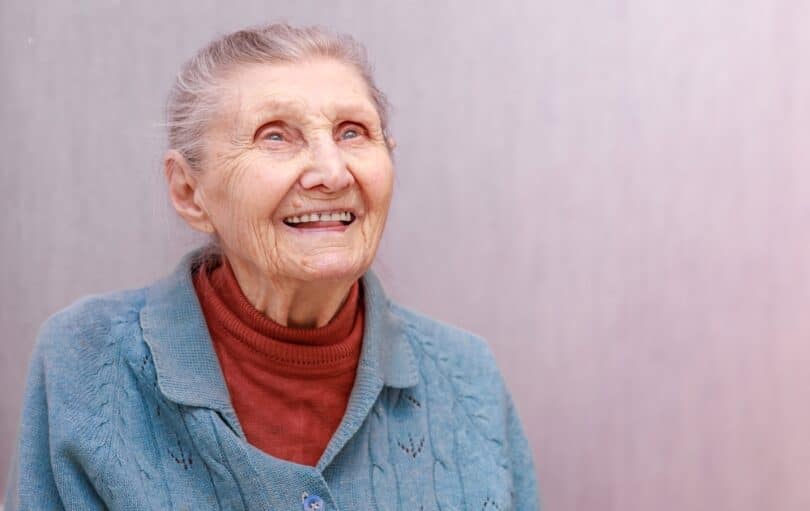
(350, 131)
(274, 136)
(275, 132)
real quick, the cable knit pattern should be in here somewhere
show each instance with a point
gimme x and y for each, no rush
(126, 409)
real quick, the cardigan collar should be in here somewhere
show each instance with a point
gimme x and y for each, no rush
(188, 371)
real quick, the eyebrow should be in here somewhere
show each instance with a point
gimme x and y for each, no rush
(293, 108)
(353, 108)
(274, 106)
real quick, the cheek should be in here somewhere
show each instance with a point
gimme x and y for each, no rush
(252, 191)
(382, 189)
(377, 180)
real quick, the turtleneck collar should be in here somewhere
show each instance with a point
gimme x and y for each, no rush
(227, 310)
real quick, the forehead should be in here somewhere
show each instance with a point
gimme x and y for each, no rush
(314, 87)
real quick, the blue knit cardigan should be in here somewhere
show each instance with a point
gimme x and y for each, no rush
(126, 408)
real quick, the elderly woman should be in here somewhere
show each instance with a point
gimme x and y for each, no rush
(269, 371)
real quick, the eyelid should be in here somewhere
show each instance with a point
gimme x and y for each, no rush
(271, 127)
(356, 125)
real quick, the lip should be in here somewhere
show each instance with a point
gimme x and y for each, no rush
(304, 231)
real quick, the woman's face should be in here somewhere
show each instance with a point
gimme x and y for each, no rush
(296, 175)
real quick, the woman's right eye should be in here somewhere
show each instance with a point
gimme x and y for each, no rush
(275, 132)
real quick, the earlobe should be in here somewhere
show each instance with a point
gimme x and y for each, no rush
(183, 191)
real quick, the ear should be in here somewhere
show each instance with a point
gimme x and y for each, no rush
(183, 191)
(391, 142)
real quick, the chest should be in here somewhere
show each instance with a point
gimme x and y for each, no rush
(416, 449)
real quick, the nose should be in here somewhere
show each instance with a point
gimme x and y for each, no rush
(326, 168)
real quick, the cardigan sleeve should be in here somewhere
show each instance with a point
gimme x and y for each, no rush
(40, 477)
(31, 481)
(524, 478)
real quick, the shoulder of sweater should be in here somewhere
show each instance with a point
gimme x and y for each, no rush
(433, 328)
(90, 324)
(467, 355)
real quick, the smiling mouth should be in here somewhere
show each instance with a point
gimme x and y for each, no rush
(321, 220)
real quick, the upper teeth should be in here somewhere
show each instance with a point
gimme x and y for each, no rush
(337, 216)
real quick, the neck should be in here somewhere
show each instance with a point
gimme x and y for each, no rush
(291, 302)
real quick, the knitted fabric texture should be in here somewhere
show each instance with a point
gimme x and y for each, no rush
(126, 408)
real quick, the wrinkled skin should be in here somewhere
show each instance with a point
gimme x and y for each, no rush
(289, 139)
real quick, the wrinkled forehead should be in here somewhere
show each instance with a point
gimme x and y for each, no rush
(305, 92)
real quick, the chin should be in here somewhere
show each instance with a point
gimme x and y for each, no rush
(325, 267)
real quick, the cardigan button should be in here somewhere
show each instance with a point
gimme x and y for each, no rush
(312, 503)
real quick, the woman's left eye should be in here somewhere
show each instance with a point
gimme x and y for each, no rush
(350, 132)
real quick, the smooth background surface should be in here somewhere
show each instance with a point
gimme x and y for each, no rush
(615, 193)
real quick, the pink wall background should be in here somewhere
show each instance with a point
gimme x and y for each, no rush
(615, 193)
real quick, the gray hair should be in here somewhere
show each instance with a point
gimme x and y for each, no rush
(194, 96)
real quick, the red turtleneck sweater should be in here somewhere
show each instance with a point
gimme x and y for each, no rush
(289, 386)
